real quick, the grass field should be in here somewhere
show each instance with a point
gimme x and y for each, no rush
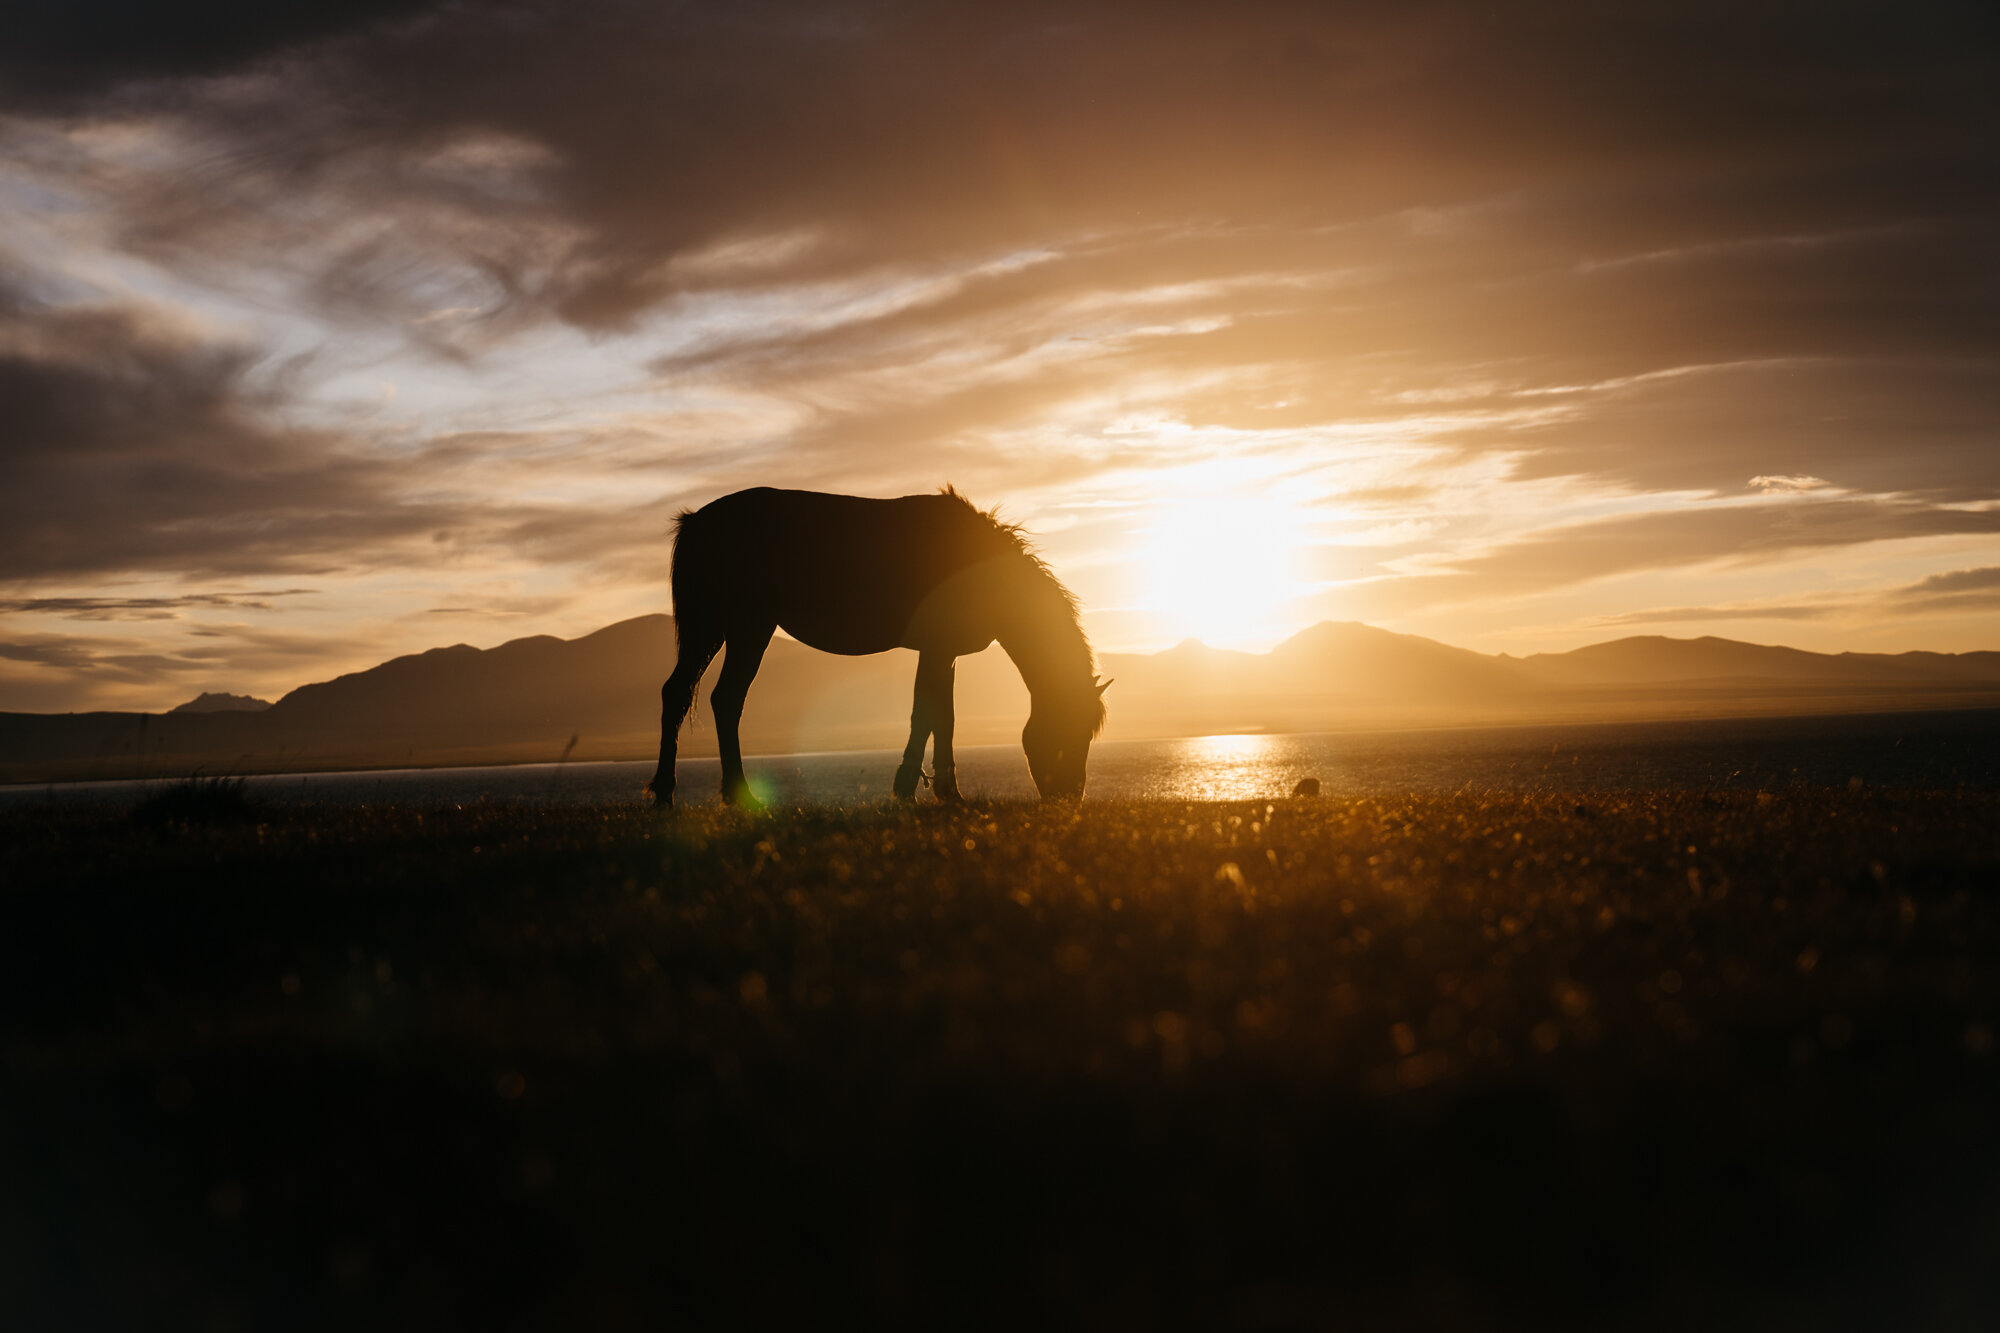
(1617, 1061)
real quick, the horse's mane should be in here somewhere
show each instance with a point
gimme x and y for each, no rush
(1014, 539)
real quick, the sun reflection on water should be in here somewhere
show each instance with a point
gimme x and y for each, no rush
(1228, 749)
(1230, 768)
(1236, 767)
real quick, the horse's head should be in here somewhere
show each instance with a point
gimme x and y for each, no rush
(1057, 740)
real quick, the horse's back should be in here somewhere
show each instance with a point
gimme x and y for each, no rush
(836, 527)
(843, 573)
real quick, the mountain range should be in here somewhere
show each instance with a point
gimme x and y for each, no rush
(596, 697)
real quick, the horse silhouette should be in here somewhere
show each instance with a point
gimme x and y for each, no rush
(856, 576)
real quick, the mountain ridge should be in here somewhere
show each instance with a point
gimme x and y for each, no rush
(595, 697)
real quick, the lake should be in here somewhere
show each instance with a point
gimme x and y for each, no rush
(1926, 749)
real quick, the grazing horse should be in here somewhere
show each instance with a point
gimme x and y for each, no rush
(854, 576)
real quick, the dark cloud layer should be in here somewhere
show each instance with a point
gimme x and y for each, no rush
(136, 446)
(132, 446)
(62, 53)
(897, 133)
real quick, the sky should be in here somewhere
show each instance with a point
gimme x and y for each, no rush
(335, 331)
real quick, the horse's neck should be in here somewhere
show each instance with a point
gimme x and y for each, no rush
(1042, 637)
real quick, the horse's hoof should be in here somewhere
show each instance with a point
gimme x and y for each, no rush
(739, 795)
(905, 785)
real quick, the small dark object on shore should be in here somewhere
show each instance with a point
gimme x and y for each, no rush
(198, 800)
(1306, 787)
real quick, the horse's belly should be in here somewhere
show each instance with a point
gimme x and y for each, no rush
(951, 618)
(850, 640)
(838, 603)
(949, 625)
(848, 637)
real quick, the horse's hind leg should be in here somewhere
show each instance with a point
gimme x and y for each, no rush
(938, 673)
(930, 716)
(698, 647)
(739, 668)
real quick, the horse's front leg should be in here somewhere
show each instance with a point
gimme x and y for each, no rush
(732, 687)
(912, 767)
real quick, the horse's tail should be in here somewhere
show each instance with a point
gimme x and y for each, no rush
(686, 576)
(681, 575)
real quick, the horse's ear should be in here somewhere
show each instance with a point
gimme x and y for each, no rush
(1102, 686)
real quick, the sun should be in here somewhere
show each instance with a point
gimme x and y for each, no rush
(1222, 570)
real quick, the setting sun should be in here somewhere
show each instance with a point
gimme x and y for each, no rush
(1222, 570)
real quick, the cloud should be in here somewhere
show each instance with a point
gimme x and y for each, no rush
(146, 669)
(1960, 580)
(61, 55)
(1678, 614)
(139, 447)
(65, 653)
(1788, 485)
(1959, 589)
(1696, 535)
(133, 446)
(149, 608)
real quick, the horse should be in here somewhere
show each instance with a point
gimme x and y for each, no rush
(855, 576)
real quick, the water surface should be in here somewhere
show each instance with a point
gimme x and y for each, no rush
(1931, 749)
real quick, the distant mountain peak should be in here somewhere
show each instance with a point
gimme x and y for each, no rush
(207, 702)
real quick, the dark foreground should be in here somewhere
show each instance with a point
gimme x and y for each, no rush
(1451, 1062)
